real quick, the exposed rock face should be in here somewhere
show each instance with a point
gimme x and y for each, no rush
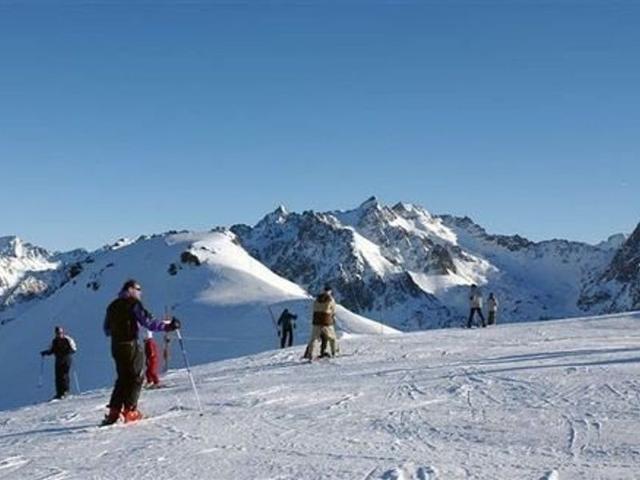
(617, 288)
(28, 272)
(400, 265)
(412, 269)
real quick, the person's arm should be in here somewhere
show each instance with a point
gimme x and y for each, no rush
(49, 351)
(105, 326)
(72, 344)
(145, 318)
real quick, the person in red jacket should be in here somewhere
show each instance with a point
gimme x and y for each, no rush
(151, 359)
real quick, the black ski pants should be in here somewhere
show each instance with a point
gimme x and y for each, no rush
(129, 360)
(63, 366)
(472, 314)
(287, 333)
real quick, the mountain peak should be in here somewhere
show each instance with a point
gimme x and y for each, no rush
(11, 246)
(281, 210)
(15, 247)
(613, 242)
(369, 203)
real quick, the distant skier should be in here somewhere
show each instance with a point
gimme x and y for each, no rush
(324, 311)
(151, 360)
(124, 317)
(286, 325)
(63, 347)
(475, 304)
(492, 304)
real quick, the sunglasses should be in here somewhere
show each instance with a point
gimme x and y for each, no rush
(138, 288)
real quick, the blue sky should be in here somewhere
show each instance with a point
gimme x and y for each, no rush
(123, 120)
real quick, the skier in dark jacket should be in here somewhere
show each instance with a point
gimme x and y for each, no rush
(124, 317)
(62, 347)
(475, 305)
(286, 324)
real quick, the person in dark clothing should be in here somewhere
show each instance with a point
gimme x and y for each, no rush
(124, 317)
(286, 324)
(475, 305)
(62, 347)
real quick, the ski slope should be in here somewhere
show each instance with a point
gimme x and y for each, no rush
(223, 302)
(545, 400)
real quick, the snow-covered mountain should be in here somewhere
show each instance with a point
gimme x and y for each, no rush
(408, 268)
(28, 272)
(617, 288)
(543, 401)
(208, 280)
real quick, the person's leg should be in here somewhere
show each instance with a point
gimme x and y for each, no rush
(134, 378)
(121, 358)
(59, 373)
(484, 324)
(315, 336)
(66, 380)
(331, 336)
(323, 343)
(470, 317)
(283, 338)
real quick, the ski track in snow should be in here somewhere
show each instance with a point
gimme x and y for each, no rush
(492, 407)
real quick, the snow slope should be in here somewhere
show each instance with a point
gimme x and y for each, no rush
(545, 400)
(208, 280)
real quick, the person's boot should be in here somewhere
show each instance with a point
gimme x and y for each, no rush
(132, 415)
(111, 417)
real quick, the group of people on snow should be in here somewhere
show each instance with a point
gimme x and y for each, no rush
(123, 322)
(126, 316)
(475, 306)
(322, 326)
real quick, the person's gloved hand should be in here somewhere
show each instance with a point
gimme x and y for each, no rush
(279, 334)
(174, 324)
(43, 353)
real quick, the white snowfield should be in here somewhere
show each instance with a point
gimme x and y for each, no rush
(545, 400)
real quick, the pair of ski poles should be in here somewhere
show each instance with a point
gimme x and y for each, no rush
(41, 375)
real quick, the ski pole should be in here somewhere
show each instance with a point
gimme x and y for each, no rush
(41, 372)
(186, 362)
(75, 379)
(273, 319)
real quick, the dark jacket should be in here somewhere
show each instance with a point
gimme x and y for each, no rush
(286, 320)
(124, 316)
(61, 347)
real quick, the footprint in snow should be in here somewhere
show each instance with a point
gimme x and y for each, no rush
(409, 472)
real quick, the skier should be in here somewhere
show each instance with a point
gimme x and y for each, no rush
(475, 303)
(324, 310)
(492, 303)
(124, 316)
(63, 347)
(151, 360)
(286, 324)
